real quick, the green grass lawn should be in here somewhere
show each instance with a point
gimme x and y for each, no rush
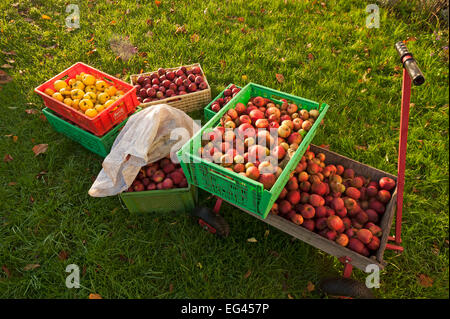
(325, 53)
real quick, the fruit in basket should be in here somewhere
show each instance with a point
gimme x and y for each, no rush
(85, 104)
(58, 96)
(88, 79)
(387, 183)
(49, 91)
(101, 85)
(103, 97)
(59, 84)
(364, 235)
(168, 83)
(68, 101)
(90, 96)
(91, 112)
(81, 93)
(78, 85)
(335, 222)
(77, 94)
(153, 177)
(356, 245)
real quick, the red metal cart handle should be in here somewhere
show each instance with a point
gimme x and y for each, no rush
(409, 63)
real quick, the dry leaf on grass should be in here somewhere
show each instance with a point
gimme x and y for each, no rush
(9, 52)
(425, 281)
(6, 271)
(280, 77)
(4, 77)
(95, 296)
(31, 111)
(7, 158)
(195, 38)
(310, 286)
(39, 149)
(31, 267)
(252, 240)
(63, 255)
(361, 147)
(247, 274)
(6, 66)
(45, 17)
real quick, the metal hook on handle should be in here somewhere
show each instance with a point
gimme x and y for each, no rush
(409, 63)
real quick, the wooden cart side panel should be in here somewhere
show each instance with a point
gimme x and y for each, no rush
(314, 239)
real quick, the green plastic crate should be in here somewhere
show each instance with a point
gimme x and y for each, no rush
(239, 190)
(176, 199)
(100, 145)
(208, 113)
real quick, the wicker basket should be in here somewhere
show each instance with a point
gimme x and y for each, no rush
(187, 102)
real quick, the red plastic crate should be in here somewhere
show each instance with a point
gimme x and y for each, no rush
(105, 120)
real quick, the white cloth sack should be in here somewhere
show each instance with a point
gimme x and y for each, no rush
(148, 136)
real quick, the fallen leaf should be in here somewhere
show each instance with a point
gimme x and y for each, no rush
(63, 255)
(425, 281)
(310, 56)
(435, 249)
(31, 199)
(31, 267)
(7, 158)
(4, 77)
(361, 147)
(12, 183)
(170, 287)
(158, 3)
(39, 149)
(310, 286)
(31, 111)
(42, 117)
(45, 17)
(6, 66)
(247, 274)
(113, 22)
(290, 296)
(240, 19)
(15, 138)
(274, 253)
(195, 38)
(280, 77)
(41, 173)
(9, 52)
(6, 270)
(95, 296)
(244, 77)
(252, 240)
(266, 233)
(309, 45)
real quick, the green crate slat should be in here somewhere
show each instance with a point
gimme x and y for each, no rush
(239, 190)
(208, 113)
(176, 199)
(98, 145)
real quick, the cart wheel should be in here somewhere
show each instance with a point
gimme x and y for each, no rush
(211, 222)
(345, 287)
